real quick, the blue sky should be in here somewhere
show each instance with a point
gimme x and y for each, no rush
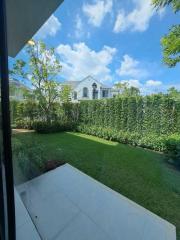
(112, 40)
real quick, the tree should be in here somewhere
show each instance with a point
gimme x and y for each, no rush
(171, 46)
(18, 69)
(65, 93)
(121, 87)
(170, 42)
(162, 3)
(132, 91)
(127, 91)
(41, 68)
(174, 93)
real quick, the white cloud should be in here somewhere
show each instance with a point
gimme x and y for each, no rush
(133, 83)
(79, 61)
(80, 29)
(50, 28)
(152, 86)
(148, 87)
(131, 67)
(138, 19)
(121, 22)
(153, 83)
(97, 11)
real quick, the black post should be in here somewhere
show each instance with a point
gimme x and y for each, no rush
(7, 177)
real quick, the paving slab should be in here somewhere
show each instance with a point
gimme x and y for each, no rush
(67, 204)
(25, 229)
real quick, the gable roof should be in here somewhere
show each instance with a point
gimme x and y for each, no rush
(74, 84)
(103, 85)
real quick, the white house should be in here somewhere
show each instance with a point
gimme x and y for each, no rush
(88, 89)
(17, 90)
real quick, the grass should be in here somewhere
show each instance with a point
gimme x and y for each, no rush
(139, 174)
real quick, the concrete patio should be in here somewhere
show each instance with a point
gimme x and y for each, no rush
(66, 204)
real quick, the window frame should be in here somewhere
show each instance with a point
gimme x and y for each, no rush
(7, 221)
(85, 94)
(105, 93)
(75, 95)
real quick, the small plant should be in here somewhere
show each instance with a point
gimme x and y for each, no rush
(151, 141)
(29, 157)
(52, 127)
(173, 150)
(24, 124)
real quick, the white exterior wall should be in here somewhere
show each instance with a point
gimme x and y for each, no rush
(87, 83)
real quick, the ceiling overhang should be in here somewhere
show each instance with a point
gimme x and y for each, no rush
(24, 19)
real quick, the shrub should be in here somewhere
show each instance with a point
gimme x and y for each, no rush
(29, 158)
(145, 121)
(173, 149)
(156, 114)
(24, 123)
(13, 109)
(151, 141)
(45, 127)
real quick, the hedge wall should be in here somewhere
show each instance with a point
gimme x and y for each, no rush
(156, 114)
(27, 114)
(147, 121)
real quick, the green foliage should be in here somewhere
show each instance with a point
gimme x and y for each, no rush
(162, 3)
(42, 70)
(174, 93)
(14, 110)
(23, 114)
(171, 46)
(52, 127)
(150, 141)
(29, 158)
(156, 114)
(26, 115)
(24, 124)
(125, 90)
(18, 69)
(65, 93)
(17, 92)
(136, 173)
(147, 122)
(173, 149)
(170, 42)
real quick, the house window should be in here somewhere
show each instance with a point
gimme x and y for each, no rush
(94, 91)
(85, 92)
(104, 93)
(75, 95)
(94, 85)
(95, 94)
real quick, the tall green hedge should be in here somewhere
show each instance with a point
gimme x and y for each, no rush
(147, 121)
(156, 114)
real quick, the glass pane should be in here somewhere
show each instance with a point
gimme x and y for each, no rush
(2, 180)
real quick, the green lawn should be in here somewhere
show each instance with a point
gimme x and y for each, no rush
(139, 174)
